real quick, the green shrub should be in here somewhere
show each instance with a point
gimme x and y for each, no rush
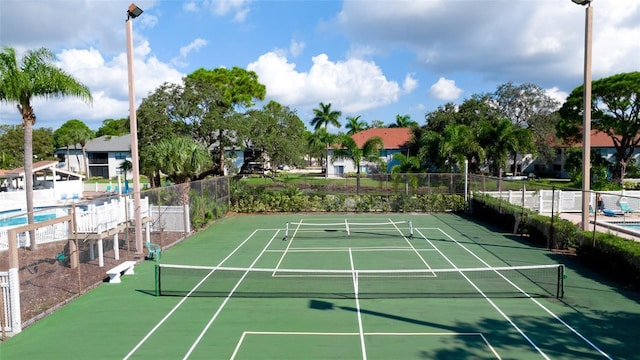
(616, 257)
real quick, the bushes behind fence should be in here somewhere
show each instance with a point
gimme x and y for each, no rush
(291, 201)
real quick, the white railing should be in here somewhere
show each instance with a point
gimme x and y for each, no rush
(5, 295)
(95, 219)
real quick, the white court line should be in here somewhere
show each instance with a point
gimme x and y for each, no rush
(594, 346)
(411, 245)
(289, 242)
(215, 316)
(486, 341)
(135, 348)
(355, 288)
(354, 249)
(315, 333)
(488, 299)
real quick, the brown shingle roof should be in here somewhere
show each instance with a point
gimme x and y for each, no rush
(37, 166)
(598, 139)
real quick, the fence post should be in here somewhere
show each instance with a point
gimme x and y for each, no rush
(185, 219)
(553, 201)
(14, 298)
(71, 242)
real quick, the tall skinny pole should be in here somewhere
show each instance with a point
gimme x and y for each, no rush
(134, 141)
(586, 120)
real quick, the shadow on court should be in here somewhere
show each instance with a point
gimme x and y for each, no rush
(553, 339)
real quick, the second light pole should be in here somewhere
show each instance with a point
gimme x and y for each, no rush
(586, 114)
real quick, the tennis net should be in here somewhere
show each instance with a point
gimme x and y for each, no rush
(518, 281)
(348, 229)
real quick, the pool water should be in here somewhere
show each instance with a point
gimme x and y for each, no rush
(634, 227)
(22, 220)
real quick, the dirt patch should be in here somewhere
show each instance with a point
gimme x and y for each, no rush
(47, 281)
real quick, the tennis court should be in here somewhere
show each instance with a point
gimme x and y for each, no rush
(344, 286)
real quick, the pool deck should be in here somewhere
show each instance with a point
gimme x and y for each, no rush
(602, 223)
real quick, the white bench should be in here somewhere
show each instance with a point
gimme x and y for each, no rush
(126, 268)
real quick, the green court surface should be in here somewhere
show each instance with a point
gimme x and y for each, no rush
(251, 294)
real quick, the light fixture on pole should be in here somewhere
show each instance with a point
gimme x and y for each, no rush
(586, 114)
(133, 12)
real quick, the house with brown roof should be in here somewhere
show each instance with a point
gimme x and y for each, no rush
(600, 141)
(394, 139)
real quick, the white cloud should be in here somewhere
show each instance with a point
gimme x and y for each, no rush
(445, 89)
(478, 43)
(361, 51)
(557, 94)
(107, 80)
(296, 48)
(352, 85)
(190, 6)
(409, 84)
(195, 45)
(521, 41)
(239, 8)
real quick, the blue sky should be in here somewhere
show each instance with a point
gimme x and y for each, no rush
(372, 58)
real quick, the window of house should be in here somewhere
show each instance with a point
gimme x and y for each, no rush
(121, 155)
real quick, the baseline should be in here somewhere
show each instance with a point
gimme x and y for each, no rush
(246, 334)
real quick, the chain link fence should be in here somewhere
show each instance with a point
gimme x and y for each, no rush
(370, 184)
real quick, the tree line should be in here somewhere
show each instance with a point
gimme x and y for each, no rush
(211, 114)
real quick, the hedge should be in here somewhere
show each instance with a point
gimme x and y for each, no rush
(613, 256)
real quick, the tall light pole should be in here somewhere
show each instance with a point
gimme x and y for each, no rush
(586, 114)
(133, 12)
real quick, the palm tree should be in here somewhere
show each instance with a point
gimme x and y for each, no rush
(406, 164)
(316, 143)
(148, 167)
(33, 77)
(62, 138)
(451, 147)
(125, 167)
(78, 133)
(347, 148)
(325, 116)
(181, 158)
(355, 125)
(403, 121)
(498, 139)
(83, 135)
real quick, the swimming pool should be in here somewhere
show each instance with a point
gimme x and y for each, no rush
(15, 218)
(627, 227)
(634, 227)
